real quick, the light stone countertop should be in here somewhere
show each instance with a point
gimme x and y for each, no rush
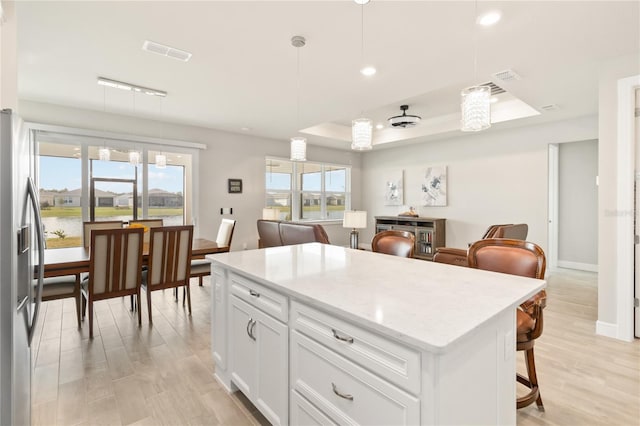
(425, 304)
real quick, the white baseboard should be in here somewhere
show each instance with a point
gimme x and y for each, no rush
(607, 329)
(578, 265)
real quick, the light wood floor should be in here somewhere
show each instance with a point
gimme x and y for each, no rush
(163, 374)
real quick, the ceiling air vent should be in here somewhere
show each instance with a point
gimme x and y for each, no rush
(495, 89)
(161, 49)
(507, 76)
(550, 107)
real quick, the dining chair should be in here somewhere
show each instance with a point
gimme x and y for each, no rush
(202, 267)
(87, 227)
(169, 261)
(62, 287)
(526, 259)
(397, 243)
(115, 267)
(148, 223)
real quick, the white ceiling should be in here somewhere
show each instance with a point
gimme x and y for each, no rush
(243, 70)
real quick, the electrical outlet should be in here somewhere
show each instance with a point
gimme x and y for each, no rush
(226, 210)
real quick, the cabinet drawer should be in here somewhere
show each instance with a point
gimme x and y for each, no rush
(269, 301)
(345, 392)
(393, 361)
(303, 412)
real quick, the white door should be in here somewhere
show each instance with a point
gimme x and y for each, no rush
(637, 215)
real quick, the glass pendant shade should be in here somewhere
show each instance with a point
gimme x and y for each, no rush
(161, 161)
(134, 158)
(104, 154)
(361, 134)
(298, 149)
(476, 108)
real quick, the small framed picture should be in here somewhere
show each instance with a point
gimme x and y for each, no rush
(235, 186)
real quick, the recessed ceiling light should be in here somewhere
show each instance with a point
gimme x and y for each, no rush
(379, 126)
(368, 71)
(489, 18)
(361, 1)
(245, 129)
(493, 100)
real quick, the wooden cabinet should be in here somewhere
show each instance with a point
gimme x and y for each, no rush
(429, 232)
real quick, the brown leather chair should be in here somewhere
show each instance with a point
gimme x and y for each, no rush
(458, 257)
(525, 259)
(397, 243)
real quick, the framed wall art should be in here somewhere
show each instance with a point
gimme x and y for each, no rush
(393, 188)
(434, 186)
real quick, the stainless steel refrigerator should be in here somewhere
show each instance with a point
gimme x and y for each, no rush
(21, 268)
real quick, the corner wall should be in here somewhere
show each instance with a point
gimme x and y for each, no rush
(496, 177)
(228, 155)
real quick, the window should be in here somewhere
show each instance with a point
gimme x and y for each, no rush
(69, 173)
(307, 191)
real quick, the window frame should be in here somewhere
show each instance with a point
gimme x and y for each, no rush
(296, 192)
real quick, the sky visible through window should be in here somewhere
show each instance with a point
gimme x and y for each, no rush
(57, 173)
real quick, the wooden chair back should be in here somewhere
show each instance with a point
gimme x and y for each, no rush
(87, 227)
(169, 256)
(397, 243)
(225, 232)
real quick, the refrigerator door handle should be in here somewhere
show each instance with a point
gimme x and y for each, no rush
(31, 190)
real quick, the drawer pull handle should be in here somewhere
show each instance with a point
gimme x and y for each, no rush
(250, 326)
(340, 394)
(339, 337)
(254, 293)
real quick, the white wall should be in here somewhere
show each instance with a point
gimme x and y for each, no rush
(610, 73)
(493, 177)
(578, 205)
(228, 155)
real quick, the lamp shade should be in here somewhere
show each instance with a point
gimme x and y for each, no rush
(361, 129)
(476, 108)
(299, 149)
(354, 219)
(134, 158)
(270, 214)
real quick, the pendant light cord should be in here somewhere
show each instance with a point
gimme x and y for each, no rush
(298, 90)
(475, 43)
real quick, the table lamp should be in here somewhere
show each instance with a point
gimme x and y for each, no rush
(270, 214)
(354, 219)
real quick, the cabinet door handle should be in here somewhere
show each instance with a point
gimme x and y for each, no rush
(250, 325)
(340, 394)
(342, 338)
(253, 326)
(254, 293)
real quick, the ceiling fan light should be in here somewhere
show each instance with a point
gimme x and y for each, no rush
(298, 149)
(476, 108)
(361, 133)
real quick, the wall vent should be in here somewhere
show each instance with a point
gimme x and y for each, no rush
(550, 107)
(507, 76)
(161, 49)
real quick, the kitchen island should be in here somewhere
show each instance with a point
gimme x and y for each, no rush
(321, 334)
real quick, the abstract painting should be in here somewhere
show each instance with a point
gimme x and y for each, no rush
(434, 186)
(393, 189)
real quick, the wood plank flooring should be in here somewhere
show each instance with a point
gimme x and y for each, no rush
(162, 375)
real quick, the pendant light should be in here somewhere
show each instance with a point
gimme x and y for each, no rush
(298, 143)
(104, 154)
(362, 128)
(475, 102)
(134, 156)
(161, 159)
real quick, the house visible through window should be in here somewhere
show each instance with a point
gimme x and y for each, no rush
(306, 190)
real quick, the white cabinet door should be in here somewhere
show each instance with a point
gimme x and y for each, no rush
(259, 359)
(272, 384)
(243, 350)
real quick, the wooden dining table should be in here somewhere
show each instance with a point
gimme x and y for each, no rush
(75, 260)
